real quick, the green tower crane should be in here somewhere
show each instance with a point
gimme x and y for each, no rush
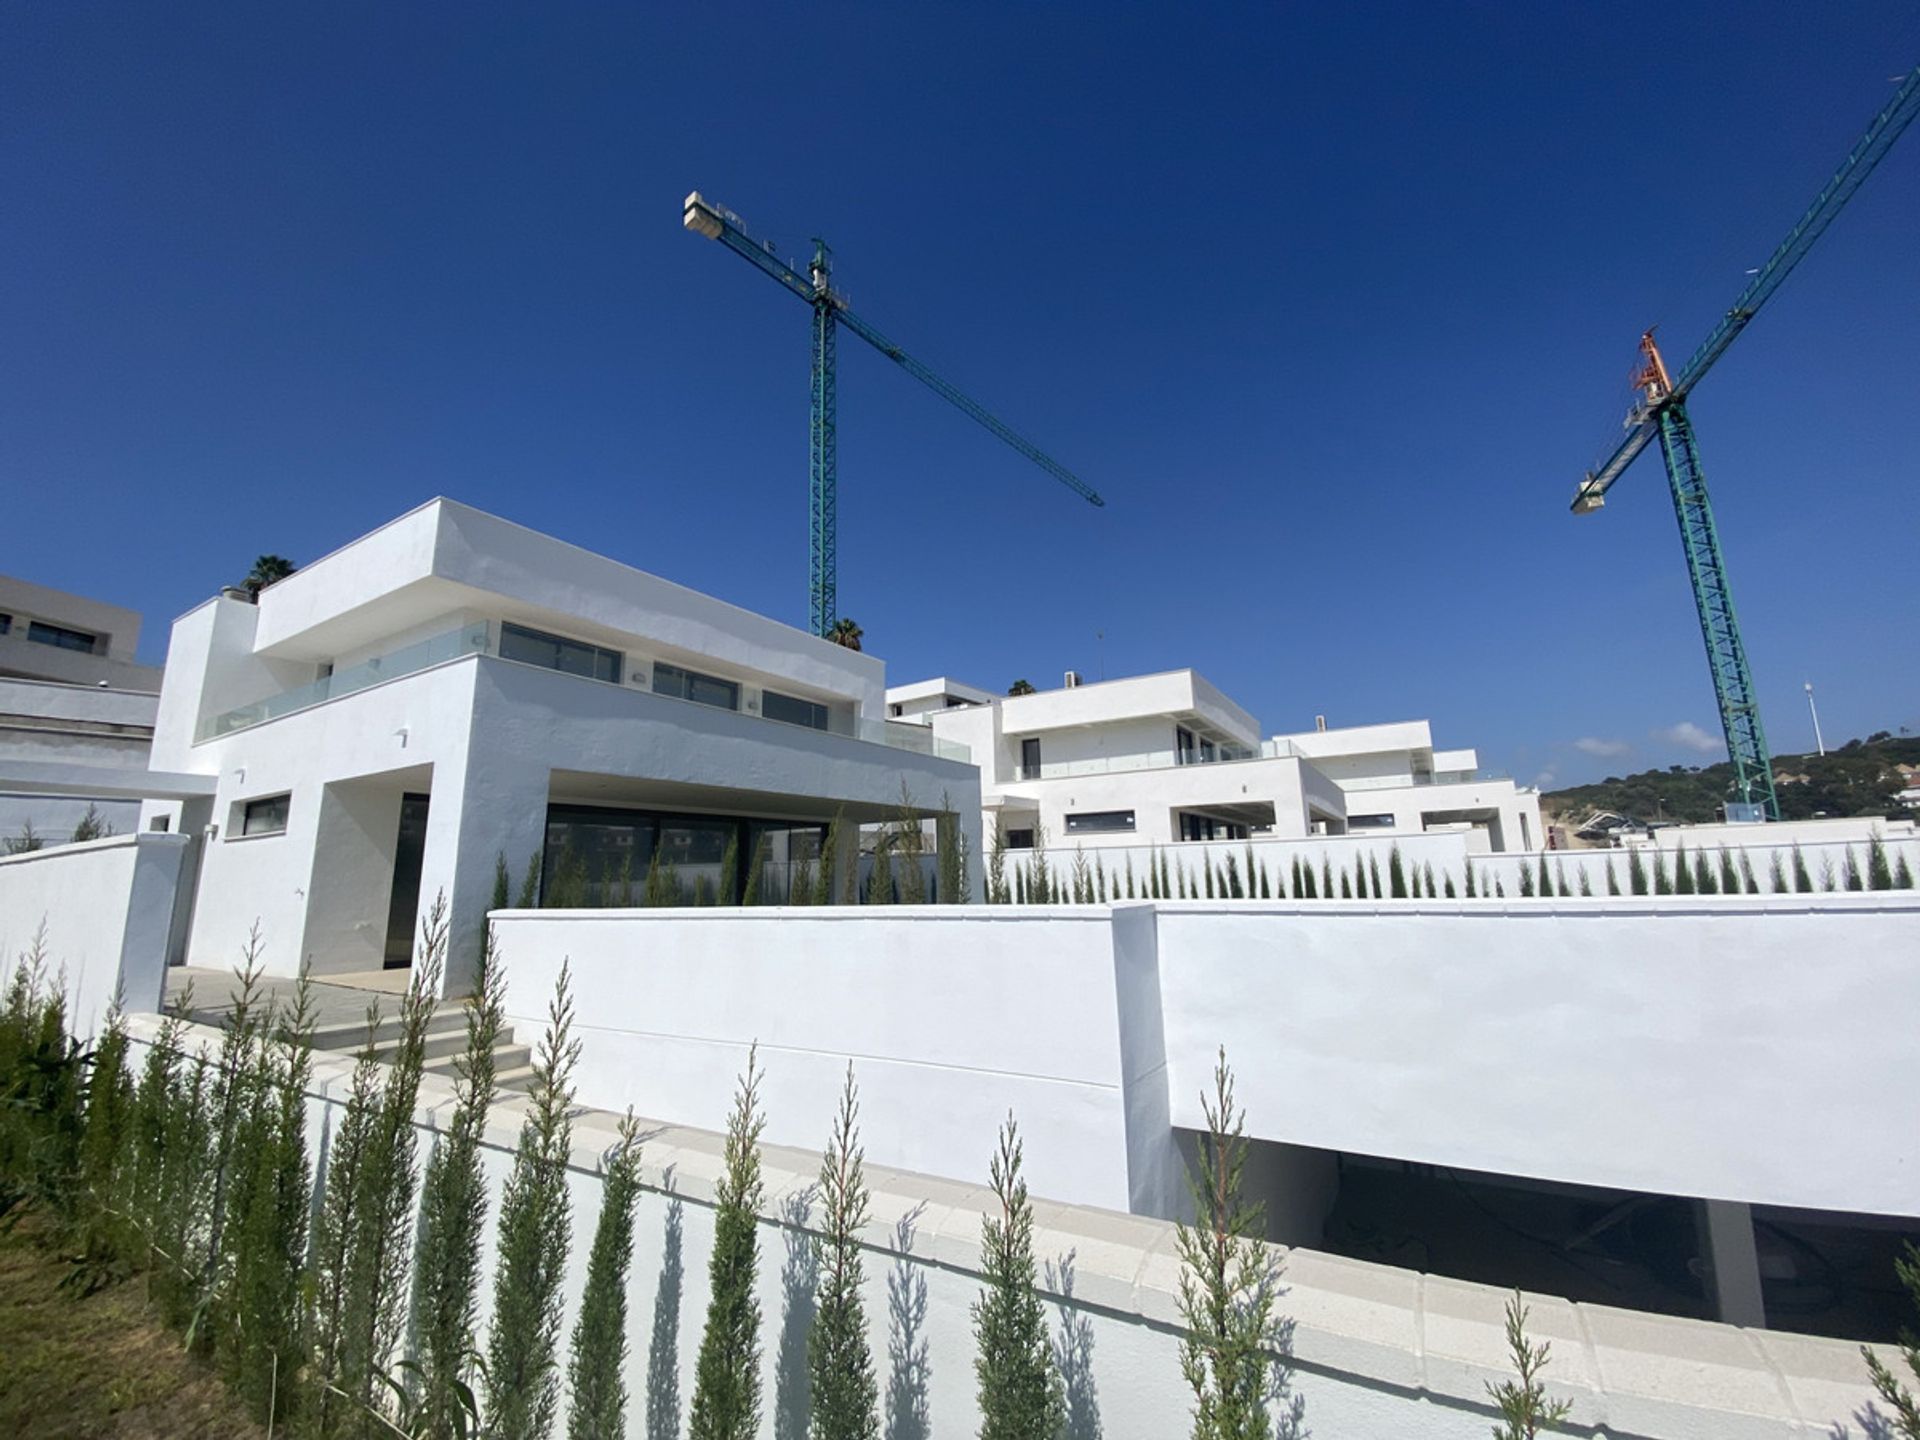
(1662, 411)
(829, 313)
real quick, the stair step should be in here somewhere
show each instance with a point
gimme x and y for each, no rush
(505, 1057)
(351, 1035)
(518, 1078)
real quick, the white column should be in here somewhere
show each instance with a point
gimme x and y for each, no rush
(1733, 1261)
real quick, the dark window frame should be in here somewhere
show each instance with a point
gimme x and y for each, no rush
(818, 714)
(596, 661)
(63, 637)
(1020, 839)
(690, 684)
(261, 808)
(1097, 822)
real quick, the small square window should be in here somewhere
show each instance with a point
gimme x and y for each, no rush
(1020, 839)
(265, 816)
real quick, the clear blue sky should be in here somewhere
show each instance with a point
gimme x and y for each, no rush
(1333, 304)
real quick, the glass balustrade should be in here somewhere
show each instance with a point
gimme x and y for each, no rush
(479, 638)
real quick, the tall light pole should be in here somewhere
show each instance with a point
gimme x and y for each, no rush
(1819, 744)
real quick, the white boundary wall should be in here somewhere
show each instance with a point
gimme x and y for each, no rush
(1376, 1351)
(1721, 1047)
(107, 906)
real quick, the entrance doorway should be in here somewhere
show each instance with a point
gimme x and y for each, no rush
(409, 854)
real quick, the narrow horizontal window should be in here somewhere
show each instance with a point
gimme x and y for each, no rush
(791, 710)
(692, 685)
(1093, 822)
(59, 636)
(556, 652)
(265, 816)
(1370, 822)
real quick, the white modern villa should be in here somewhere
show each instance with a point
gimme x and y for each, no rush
(1167, 758)
(76, 713)
(453, 690)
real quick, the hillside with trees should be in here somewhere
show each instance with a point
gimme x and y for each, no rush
(1859, 778)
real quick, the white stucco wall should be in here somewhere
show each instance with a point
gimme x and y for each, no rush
(1711, 1047)
(106, 907)
(670, 1000)
(1375, 1351)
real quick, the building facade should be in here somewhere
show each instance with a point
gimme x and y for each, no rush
(453, 691)
(1167, 758)
(76, 714)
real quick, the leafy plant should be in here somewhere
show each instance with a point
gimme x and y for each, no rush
(1905, 1418)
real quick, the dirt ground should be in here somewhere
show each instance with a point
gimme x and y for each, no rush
(102, 1366)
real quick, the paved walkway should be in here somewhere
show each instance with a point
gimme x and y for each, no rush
(339, 1000)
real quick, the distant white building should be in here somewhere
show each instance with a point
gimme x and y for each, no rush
(1162, 759)
(453, 688)
(76, 713)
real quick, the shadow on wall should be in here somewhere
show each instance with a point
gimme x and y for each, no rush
(1073, 1353)
(663, 1348)
(799, 1279)
(909, 1363)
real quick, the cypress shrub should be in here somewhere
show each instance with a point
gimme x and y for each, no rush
(1560, 878)
(333, 1279)
(750, 893)
(1852, 872)
(1308, 892)
(1524, 1408)
(1526, 878)
(1586, 883)
(726, 1388)
(997, 863)
(1902, 875)
(1545, 880)
(953, 862)
(880, 876)
(264, 1341)
(1082, 877)
(1021, 1396)
(1100, 881)
(1020, 887)
(1165, 891)
(1346, 885)
(1636, 873)
(1747, 880)
(1233, 890)
(1703, 878)
(841, 1386)
(1228, 1283)
(1130, 894)
(1466, 879)
(1802, 881)
(529, 896)
(1449, 883)
(1299, 887)
(522, 1374)
(1266, 882)
(726, 885)
(374, 1297)
(1326, 874)
(825, 891)
(1373, 875)
(1729, 876)
(1776, 875)
(1360, 878)
(1206, 866)
(1426, 878)
(1396, 874)
(1613, 880)
(1039, 878)
(453, 1210)
(1826, 872)
(596, 1376)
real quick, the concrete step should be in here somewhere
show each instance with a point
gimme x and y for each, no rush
(518, 1078)
(506, 1056)
(351, 1035)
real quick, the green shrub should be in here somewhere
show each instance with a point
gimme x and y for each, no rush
(726, 1390)
(1021, 1396)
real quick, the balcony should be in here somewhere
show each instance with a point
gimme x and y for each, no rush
(482, 638)
(1146, 760)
